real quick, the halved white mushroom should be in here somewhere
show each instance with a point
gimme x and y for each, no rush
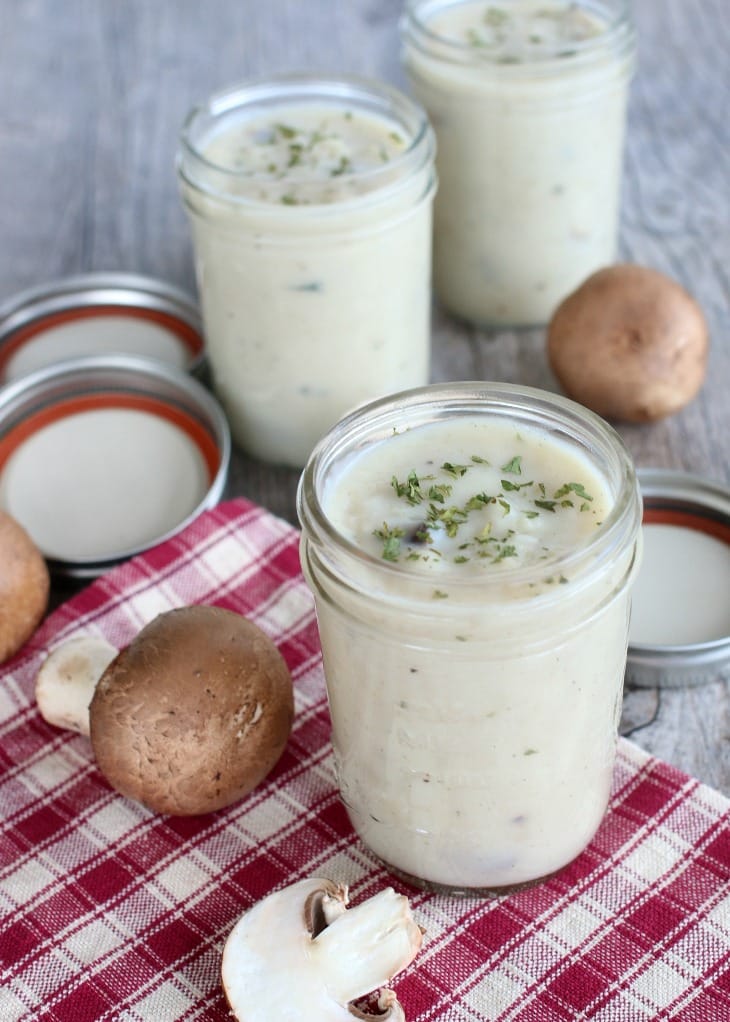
(300, 955)
(67, 679)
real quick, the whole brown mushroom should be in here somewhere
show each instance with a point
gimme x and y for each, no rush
(24, 586)
(194, 713)
(629, 343)
(190, 717)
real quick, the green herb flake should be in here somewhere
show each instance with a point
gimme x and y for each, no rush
(449, 518)
(495, 16)
(342, 167)
(391, 540)
(439, 594)
(410, 489)
(530, 752)
(479, 501)
(546, 505)
(457, 471)
(509, 487)
(478, 460)
(311, 287)
(285, 131)
(577, 488)
(513, 466)
(295, 154)
(474, 38)
(439, 492)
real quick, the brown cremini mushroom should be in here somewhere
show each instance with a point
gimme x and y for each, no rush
(24, 586)
(189, 718)
(629, 343)
(299, 955)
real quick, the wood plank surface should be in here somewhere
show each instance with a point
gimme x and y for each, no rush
(93, 96)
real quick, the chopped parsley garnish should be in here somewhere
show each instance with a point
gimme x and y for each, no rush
(477, 532)
(457, 471)
(577, 488)
(410, 489)
(514, 465)
(507, 485)
(342, 167)
(391, 539)
(439, 492)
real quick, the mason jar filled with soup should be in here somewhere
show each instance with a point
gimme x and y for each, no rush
(471, 549)
(310, 203)
(528, 101)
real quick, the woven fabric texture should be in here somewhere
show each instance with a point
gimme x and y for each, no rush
(109, 911)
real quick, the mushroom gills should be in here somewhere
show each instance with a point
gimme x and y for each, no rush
(277, 966)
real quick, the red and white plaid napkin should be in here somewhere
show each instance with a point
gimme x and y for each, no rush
(109, 911)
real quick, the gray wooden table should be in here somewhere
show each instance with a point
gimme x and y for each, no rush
(93, 95)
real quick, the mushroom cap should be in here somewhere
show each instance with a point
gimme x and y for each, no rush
(630, 343)
(194, 713)
(24, 586)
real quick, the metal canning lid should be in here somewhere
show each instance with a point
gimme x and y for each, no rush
(680, 627)
(99, 314)
(105, 456)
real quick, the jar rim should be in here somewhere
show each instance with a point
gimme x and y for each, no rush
(619, 34)
(299, 87)
(615, 532)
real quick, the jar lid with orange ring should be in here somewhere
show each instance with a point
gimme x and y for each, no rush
(99, 314)
(680, 617)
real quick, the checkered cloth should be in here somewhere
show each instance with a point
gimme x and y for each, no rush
(109, 911)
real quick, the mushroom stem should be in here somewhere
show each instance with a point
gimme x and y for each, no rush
(368, 945)
(67, 679)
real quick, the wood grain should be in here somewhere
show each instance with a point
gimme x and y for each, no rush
(94, 93)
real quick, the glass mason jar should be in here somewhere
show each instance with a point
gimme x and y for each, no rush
(528, 102)
(473, 612)
(310, 204)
